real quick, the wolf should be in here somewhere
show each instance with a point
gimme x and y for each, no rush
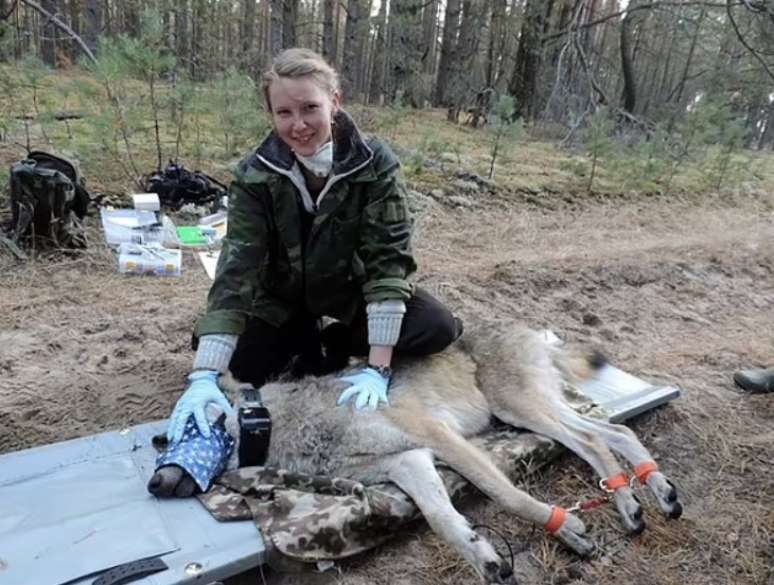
(501, 371)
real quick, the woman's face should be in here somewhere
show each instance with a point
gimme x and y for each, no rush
(302, 113)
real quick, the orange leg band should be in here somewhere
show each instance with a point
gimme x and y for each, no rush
(556, 520)
(615, 482)
(643, 471)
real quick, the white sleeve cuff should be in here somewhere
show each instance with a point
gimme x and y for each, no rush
(215, 351)
(384, 321)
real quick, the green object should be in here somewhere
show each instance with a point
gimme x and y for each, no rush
(191, 235)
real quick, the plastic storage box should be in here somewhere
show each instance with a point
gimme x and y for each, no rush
(148, 259)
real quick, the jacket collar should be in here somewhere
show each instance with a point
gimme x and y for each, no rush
(350, 150)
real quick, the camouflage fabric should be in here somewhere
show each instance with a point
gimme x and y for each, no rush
(310, 519)
(359, 244)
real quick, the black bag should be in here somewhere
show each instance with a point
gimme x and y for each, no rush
(176, 186)
(48, 197)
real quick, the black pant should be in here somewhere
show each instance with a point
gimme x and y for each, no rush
(301, 347)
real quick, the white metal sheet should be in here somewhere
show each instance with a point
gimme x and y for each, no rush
(71, 510)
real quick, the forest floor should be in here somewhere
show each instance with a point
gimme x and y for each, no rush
(672, 289)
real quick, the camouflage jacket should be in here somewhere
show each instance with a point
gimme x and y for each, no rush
(358, 247)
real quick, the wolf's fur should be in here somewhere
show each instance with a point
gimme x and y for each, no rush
(436, 402)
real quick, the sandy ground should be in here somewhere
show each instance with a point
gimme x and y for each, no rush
(680, 291)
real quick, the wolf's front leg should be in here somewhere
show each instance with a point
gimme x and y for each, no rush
(414, 472)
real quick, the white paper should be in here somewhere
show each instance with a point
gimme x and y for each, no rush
(210, 262)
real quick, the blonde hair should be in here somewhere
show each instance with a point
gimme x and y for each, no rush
(298, 62)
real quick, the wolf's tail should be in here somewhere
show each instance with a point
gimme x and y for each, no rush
(577, 363)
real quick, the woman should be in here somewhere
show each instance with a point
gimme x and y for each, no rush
(318, 226)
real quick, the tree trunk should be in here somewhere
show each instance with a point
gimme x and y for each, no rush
(377, 90)
(451, 29)
(467, 48)
(49, 33)
(497, 36)
(92, 23)
(430, 33)
(109, 16)
(667, 74)
(627, 66)
(197, 65)
(406, 50)
(74, 10)
(7, 51)
(277, 29)
(329, 39)
(513, 16)
(364, 50)
(230, 44)
(131, 17)
(689, 59)
(354, 41)
(182, 45)
(289, 12)
(529, 56)
(248, 34)
(767, 135)
(600, 38)
(265, 32)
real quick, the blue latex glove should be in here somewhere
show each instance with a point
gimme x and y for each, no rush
(202, 390)
(369, 386)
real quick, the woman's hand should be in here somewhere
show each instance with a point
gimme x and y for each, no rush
(202, 390)
(368, 386)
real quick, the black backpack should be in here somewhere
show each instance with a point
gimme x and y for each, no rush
(176, 186)
(48, 198)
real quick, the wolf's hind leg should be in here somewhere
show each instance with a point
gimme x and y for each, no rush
(476, 466)
(524, 389)
(622, 439)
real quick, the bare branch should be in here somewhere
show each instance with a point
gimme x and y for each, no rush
(63, 27)
(651, 6)
(8, 14)
(744, 42)
(589, 74)
(558, 76)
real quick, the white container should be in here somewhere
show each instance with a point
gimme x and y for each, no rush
(215, 226)
(151, 259)
(146, 201)
(136, 226)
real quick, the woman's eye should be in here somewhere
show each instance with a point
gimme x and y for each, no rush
(312, 107)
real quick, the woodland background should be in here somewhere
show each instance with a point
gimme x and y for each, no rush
(667, 83)
(557, 58)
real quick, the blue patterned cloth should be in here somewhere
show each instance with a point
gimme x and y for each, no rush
(203, 458)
